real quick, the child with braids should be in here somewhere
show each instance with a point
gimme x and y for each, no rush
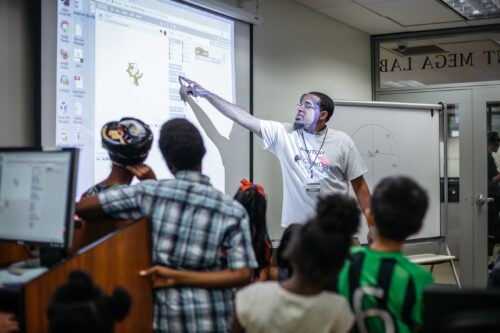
(317, 253)
(80, 306)
(252, 197)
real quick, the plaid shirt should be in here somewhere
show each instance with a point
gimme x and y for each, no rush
(191, 223)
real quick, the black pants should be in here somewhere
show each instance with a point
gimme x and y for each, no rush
(493, 224)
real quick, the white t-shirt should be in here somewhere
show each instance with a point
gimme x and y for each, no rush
(268, 307)
(334, 165)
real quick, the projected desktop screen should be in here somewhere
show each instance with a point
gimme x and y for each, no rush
(36, 197)
(122, 58)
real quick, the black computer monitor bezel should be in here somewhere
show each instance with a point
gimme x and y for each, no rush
(70, 203)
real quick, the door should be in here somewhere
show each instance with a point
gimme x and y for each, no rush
(466, 228)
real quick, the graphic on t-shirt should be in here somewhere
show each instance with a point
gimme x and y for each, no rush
(379, 149)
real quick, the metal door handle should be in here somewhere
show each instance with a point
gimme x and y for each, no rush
(481, 199)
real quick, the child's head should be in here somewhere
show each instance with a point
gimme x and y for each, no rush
(127, 141)
(252, 197)
(81, 306)
(320, 247)
(398, 206)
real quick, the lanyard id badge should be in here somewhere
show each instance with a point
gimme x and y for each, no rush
(313, 187)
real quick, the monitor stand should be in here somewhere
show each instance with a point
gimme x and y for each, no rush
(50, 256)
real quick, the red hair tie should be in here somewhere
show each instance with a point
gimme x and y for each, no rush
(245, 185)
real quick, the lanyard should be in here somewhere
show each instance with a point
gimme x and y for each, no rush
(311, 164)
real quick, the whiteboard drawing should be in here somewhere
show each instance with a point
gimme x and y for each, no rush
(379, 149)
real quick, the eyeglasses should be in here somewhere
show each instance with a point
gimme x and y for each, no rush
(306, 105)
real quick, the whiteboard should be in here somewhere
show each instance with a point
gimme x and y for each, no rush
(396, 141)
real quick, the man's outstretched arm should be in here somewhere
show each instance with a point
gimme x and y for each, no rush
(230, 110)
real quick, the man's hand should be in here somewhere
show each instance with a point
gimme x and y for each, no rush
(161, 276)
(141, 171)
(194, 88)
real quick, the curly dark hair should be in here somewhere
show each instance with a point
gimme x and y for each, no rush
(321, 246)
(81, 306)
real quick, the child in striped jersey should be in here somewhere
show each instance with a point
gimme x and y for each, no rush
(385, 289)
(317, 252)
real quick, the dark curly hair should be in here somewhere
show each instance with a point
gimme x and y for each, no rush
(321, 246)
(80, 306)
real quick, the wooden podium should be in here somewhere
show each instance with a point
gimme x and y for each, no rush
(114, 260)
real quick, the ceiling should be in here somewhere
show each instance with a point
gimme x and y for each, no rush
(391, 16)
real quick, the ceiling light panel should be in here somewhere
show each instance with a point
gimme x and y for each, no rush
(474, 9)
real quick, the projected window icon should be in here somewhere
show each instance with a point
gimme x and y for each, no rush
(64, 53)
(78, 108)
(78, 30)
(78, 55)
(64, 80)
(78, 4)
(64, 26)
(78, 82)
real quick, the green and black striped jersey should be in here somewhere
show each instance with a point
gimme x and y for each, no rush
(384, 289)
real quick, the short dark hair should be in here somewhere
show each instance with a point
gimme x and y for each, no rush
(493, 137)
(325, 103)
(81, 306)
(181, 144)
(398, 205)
(321, 246)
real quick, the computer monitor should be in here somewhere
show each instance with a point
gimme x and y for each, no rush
(37, 192)
(452, 310)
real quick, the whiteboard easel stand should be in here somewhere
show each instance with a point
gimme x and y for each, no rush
(429, 259)
(444, 109)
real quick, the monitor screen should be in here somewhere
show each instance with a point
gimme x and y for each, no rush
(122, 58)
(37, 196)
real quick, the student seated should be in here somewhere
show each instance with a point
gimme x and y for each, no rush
(317, 253)
(384, 288)
(128, 142)
(81, 306)
(191, 222)
(253, 198)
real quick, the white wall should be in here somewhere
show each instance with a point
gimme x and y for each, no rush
(16, 79)
(297, 50)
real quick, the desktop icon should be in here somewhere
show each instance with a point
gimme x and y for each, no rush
(64, 80)
(78, 81)
(78, 108)
(64, 26)
(64, 135)
(78, 30)
(78, 4)
(64, 53)
(78, 55)
(65, 3)
(63, 107)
